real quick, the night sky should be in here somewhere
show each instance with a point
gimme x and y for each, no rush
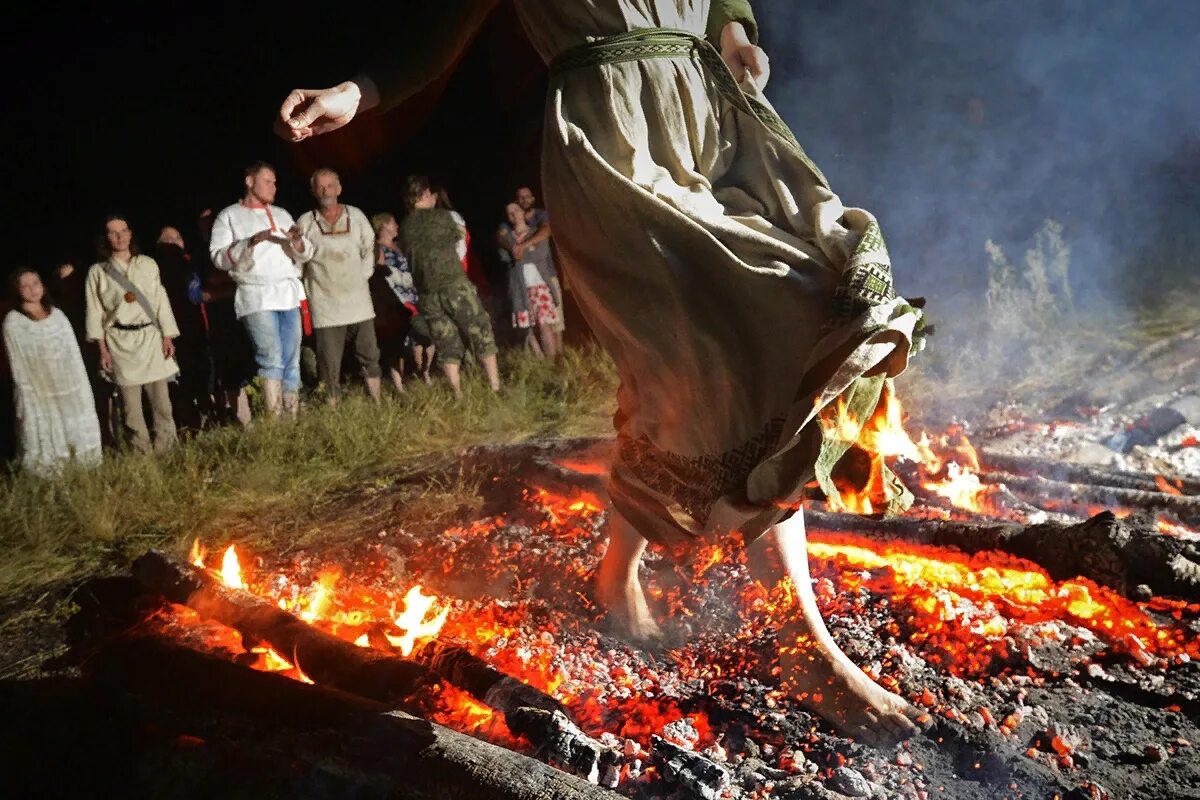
(152, 112)
(954, 122)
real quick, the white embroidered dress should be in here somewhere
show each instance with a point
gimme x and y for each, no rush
(56, 414)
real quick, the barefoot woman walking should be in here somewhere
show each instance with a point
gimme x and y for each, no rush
(737, 295)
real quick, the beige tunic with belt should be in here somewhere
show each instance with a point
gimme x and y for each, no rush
(136, 354)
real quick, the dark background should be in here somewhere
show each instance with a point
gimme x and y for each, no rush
(154, 112)
(954, 122)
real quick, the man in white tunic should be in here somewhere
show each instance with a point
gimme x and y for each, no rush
(130, 318)
(261, 248)
(335, 279)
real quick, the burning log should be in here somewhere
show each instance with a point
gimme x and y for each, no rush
(1083, 474)
(453, 662)
(1120, 554)
(1186, 508)
(323, 657)
(357, 741)
(527, 711)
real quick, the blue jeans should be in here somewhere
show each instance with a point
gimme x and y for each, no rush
(276, 336)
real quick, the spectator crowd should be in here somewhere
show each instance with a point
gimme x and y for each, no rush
(143, 344)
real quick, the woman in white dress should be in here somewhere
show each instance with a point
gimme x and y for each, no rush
(56, 413)
(738, 296)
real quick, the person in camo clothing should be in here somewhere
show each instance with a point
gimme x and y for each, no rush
(429, 239)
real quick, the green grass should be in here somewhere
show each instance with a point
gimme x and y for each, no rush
(274, 476)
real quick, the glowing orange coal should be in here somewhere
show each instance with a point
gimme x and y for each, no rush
(963, 607)
(1167, 486)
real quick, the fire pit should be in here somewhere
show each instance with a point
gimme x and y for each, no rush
(1047, 616)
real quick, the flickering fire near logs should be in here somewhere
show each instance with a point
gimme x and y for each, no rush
(326, 659)
(1053, 643)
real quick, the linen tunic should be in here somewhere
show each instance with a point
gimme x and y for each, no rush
(343, 260)
(737, 295)
(56, 414)
(267, 274)
(136, 354)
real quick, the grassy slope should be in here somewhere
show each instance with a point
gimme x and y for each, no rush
(56, 531)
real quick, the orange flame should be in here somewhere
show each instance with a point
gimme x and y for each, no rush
(198, 553)
(416, 607)
(231, 570)
(321, 595)
(961, 487)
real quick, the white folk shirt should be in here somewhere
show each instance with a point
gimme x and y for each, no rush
(343, 261)
(267, 274)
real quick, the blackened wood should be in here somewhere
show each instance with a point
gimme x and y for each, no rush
(453, 662)
(1035, 488)
(388, 754)
(701, 776)
(1081, 473)
(1122, 554)
(325, 658)
(559, 741)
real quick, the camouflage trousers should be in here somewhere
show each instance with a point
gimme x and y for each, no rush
(455, 318)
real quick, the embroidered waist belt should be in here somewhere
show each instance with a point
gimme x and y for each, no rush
(642, 44)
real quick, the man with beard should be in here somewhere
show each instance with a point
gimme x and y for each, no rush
(335, 279)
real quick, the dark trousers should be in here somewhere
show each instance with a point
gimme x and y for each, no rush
(331, 344)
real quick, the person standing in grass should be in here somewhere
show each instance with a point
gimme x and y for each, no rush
(55, 409)
(130, 319)
(531, 284)
(398, 323)
(429, 239)
(261, 248)
(335, 280)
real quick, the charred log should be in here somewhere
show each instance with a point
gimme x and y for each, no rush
(1119, 553)
(1035, 488)
(355, 741)
(701, 776)
(453, 662)
(560, 742)
(1082, 473)
(325, 658)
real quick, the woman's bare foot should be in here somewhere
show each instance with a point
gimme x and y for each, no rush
(618, 588)
(815, 670)
(825, 681)
(627, 608)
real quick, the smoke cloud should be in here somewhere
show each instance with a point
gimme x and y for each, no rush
(962, 122)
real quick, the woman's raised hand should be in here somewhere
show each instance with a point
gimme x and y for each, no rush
(309, 112)
(743, 58)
